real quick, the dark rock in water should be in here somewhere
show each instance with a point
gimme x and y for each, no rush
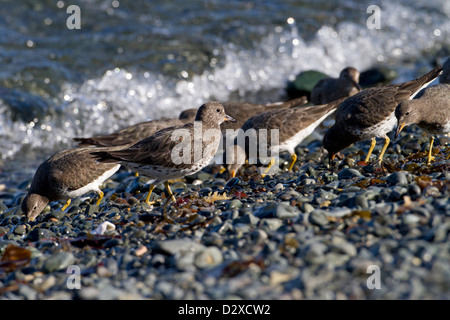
(24, 106)
(376, 76)
(303, 83)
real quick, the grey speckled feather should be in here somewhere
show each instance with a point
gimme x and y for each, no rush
(289, 121)
(240, 111)
(131, 134)
(293, 126)
(152, 156)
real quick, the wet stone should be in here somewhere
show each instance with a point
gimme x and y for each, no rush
(57, 214)
(431, 191)
(271, 223)
(277, 210)
(38, 234)
(20, 229)
(349, 173)
(397, 178)
(178, 245)
(208, 258)
(318, 217)
(248, 218)
(58, 261)
(235, 203)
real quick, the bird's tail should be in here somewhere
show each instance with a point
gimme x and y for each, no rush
(105, 157)
(414, 86)
(296, 102)
(85, 142)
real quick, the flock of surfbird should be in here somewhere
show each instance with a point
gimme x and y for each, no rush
(148, 147)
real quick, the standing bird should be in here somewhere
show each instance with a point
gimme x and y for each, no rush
(134, 133)
(292, 125)
(65, 175)
(370, 114)
(430, 110)
(173, 152)
(330, 89)
(240, 111)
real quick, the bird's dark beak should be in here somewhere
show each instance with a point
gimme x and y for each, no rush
(228, 118)
(400, 127)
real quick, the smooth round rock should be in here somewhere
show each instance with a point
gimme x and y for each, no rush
(208, 258)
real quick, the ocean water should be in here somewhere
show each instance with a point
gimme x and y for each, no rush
(137, 60)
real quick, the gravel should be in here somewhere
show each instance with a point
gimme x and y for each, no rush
(308, 234)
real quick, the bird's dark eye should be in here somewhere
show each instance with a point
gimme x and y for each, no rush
(218, 110)
(407, 113)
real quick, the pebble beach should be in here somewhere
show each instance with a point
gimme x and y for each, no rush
(313, 233)
(345, 230)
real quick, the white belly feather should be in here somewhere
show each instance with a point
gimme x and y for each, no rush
(94, 185)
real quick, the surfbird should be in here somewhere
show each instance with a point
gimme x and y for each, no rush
(290, 125)
(66, 175)
(445, 76)
(330, 89)
(136, 132)
(430, 110)
(370, 114)
(240, 111)
(173, 152)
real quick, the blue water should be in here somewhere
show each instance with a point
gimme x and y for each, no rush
(137, 60)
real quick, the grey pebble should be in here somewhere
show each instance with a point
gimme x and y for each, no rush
(234, 204)
(349, 173)
(58, 261)
(277, 210)
(39, 234)
(318, 217)
(178, 245)
(20, 229)
(208, 258)
(397, 178)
